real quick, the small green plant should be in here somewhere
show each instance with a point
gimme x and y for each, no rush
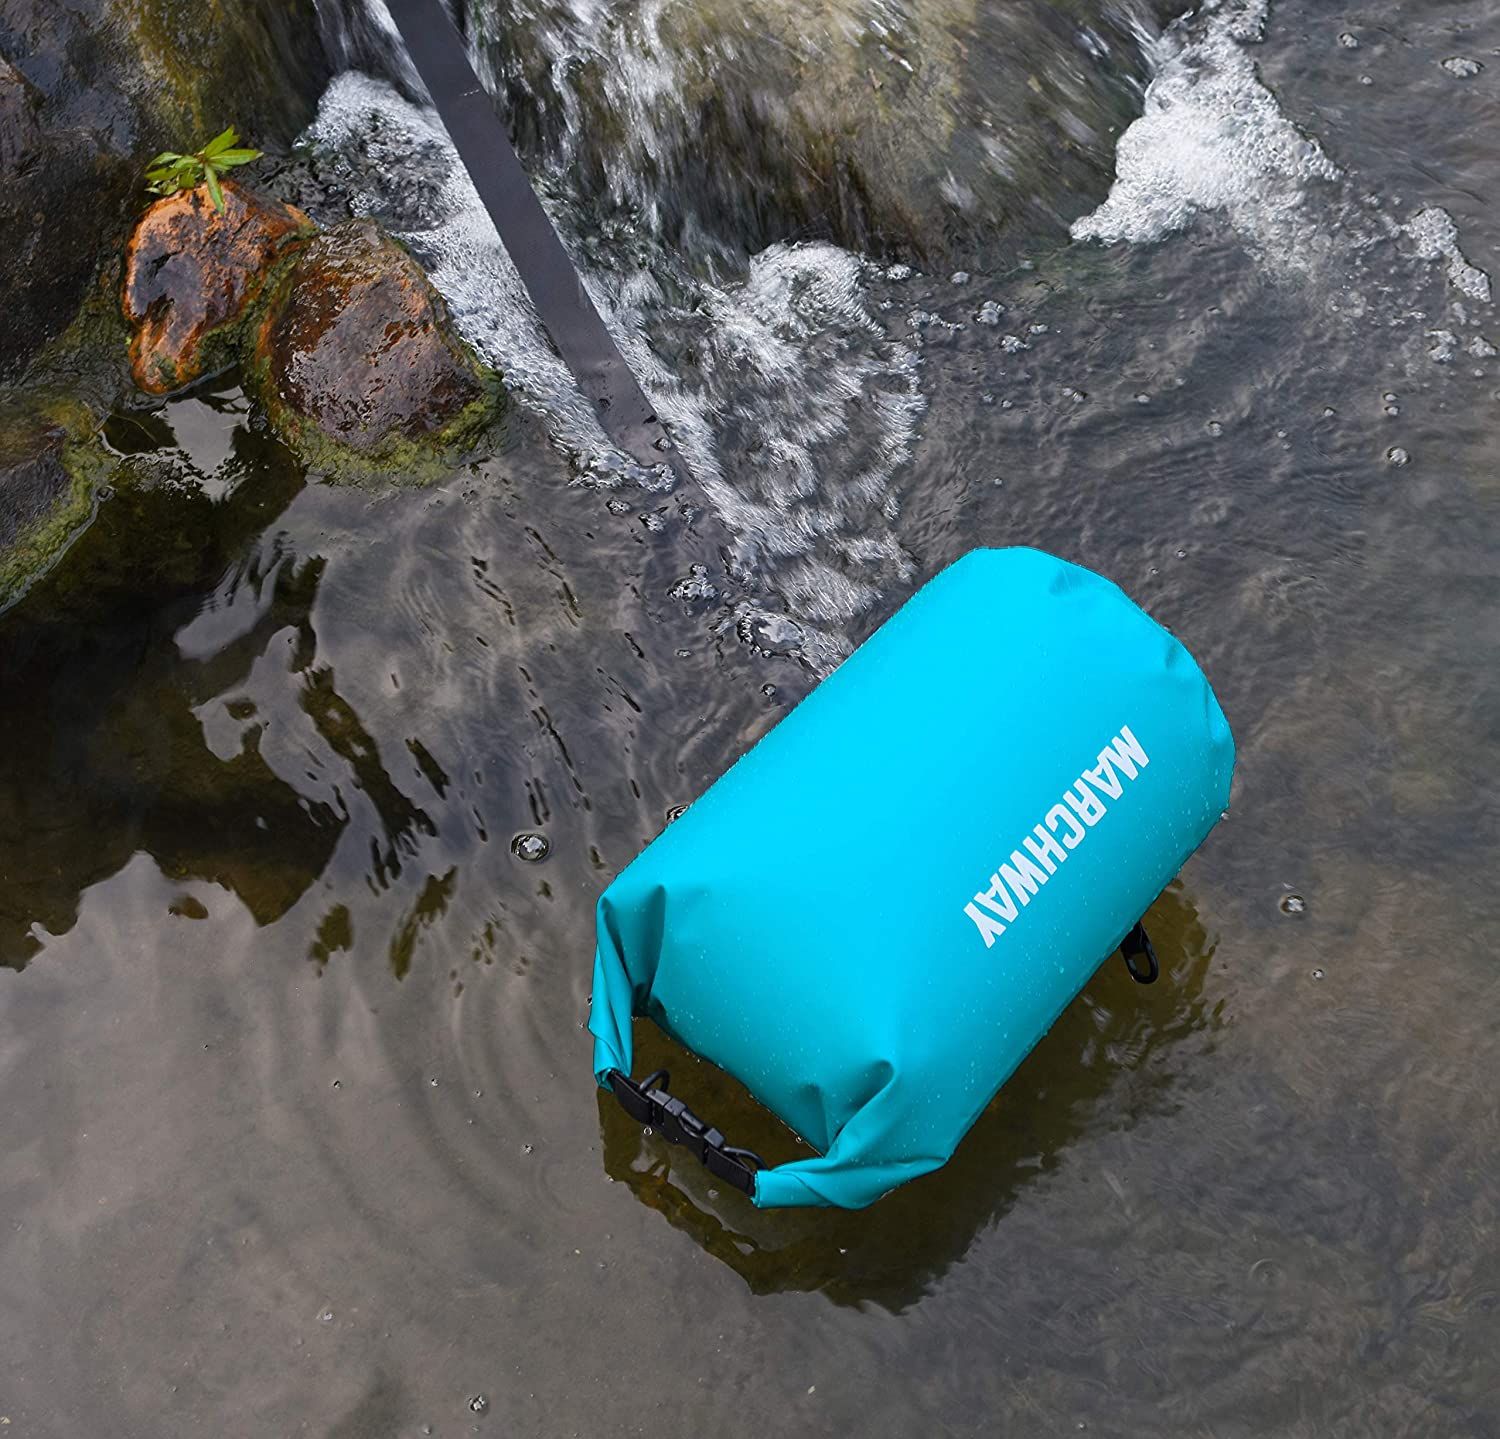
(171, 172)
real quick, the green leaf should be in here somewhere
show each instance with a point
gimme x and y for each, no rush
(167, 157)
(224, 140)
(227, 158)
(214, 192)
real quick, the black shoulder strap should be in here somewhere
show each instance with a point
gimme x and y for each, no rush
(483, 144)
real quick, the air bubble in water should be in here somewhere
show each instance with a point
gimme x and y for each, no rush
(1293, 904)
(696, 588)
(1348, 41)
(1397, 456)
(479, 1403)
(1462, 66)
(530, 847)
(1215, 428)
(1317, 974)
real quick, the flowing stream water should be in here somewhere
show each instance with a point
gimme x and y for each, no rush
(300, 1133)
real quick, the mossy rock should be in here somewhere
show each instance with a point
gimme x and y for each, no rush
(357, 365)
(945, 129)
(89, 92)
(51, 466)
(193, 274)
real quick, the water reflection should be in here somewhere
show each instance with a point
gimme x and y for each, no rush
(1109, 1061)
(138, 775)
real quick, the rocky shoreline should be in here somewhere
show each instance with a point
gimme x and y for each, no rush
(114, 304)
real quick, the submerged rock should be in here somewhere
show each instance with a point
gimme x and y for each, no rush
(355, 360)
(192, 275)
(943, 128)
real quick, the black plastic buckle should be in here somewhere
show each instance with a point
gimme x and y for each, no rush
(1137, 946)
(650, 1104)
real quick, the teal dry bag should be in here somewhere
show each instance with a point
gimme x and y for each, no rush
(987, 796)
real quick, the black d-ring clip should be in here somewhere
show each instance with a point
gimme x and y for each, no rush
(650, 1104)
(1140, 955)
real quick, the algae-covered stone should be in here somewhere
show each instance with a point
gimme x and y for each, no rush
(50, 466)
(191, 275)
(356, 362)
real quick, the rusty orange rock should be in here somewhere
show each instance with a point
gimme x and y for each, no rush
(193, 274)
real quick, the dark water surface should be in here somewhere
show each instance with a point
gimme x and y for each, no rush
(299, 1132)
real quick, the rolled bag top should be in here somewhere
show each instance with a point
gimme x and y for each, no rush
(873, 916)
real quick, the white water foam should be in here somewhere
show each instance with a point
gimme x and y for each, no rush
(1212, 138)
(1436, 235)
(783, 359)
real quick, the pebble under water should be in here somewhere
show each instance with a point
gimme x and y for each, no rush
(310, 791)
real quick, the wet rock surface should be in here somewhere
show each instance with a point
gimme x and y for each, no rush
(33, 479)
(909, 131)
(355, 352)
(89, 91)
(192, 274)
(46, 485)
(45, 173)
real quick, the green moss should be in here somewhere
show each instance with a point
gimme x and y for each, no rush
(38, 546)
(222, 62)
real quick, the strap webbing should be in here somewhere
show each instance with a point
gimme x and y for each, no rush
(563, 305)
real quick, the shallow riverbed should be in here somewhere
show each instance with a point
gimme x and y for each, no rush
(300, 1134)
